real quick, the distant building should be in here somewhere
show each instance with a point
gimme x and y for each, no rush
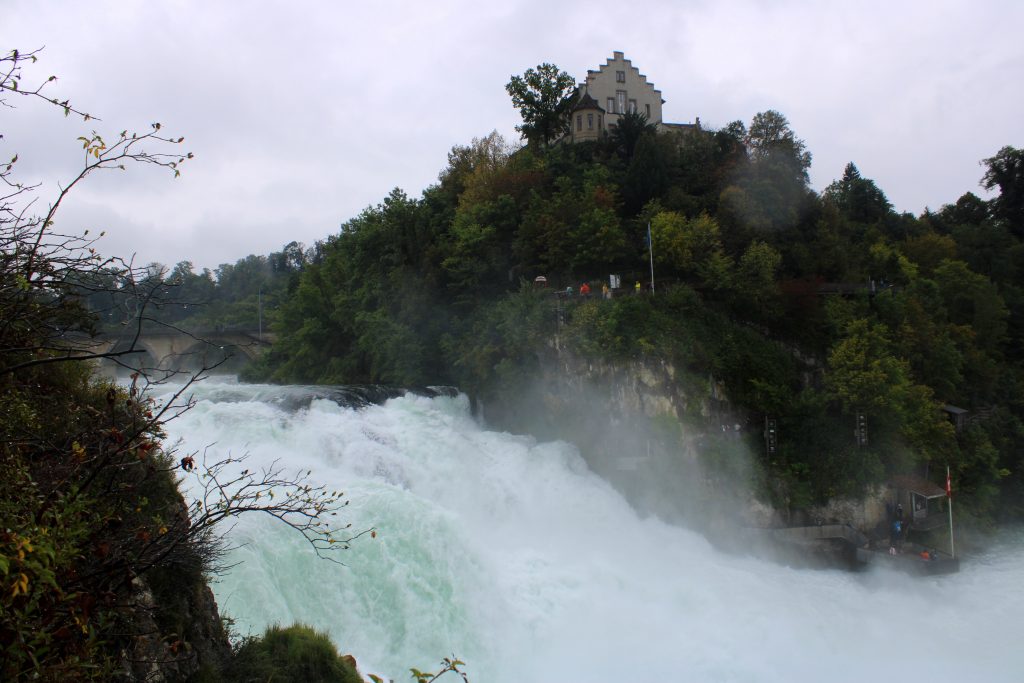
(615, 88)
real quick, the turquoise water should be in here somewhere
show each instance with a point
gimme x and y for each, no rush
(512, 555)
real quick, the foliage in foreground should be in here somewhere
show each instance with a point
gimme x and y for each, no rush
(301, 653)
(294, 653)
(102, 559)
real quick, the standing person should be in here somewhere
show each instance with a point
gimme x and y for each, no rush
(585, 289)
(605, 292)
(636, 287)
(894, 536)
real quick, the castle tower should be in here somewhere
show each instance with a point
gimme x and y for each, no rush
(587, 119)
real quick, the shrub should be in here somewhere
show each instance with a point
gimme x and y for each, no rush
(295, 653)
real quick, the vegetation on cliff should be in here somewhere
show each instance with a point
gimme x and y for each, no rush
(811, 308)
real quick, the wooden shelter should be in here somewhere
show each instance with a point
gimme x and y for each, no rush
(924, 503)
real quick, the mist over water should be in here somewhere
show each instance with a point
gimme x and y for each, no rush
(514, 556)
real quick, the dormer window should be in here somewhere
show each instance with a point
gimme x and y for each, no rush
(620, 76)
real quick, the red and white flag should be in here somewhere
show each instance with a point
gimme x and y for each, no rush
(949, 485)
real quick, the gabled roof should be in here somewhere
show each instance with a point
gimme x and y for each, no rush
(616, 55)
(921, 487)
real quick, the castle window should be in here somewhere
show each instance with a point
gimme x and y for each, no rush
(590, 122)
(579, 122)
(600, 122)
(620, 101)
(620, 76)
(611, 105)
(632, 106)
(648, 108)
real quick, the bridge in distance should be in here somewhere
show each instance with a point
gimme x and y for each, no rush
(175, 350)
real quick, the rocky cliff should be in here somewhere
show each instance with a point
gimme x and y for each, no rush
(671, 441)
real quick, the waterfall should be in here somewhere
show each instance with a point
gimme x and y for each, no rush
(514, 556)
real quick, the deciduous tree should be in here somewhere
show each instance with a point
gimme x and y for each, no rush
(543, 98)
(1006, 171)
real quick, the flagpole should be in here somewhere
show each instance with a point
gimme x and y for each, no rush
(650, 248)
(949, 500)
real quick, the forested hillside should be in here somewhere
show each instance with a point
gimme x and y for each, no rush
(811, 308)
(903, 314)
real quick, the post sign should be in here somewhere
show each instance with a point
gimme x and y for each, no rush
(861, 432)
(771, 435)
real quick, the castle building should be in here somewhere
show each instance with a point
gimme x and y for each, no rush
(612, 90)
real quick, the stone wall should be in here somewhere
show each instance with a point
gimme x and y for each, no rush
(864, 513)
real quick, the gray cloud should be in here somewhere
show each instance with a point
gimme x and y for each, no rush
(302, 114)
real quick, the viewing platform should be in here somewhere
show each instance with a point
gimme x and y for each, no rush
(843, 545)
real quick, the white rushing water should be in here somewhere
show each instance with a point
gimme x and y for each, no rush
(512, 555)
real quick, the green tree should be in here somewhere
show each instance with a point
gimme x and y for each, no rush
(756, 280)
(856, 197)
(770, 138)
(973, 300)
(627, 132)
(543, 97)
(929, 250)
(648, 175)
(863, 371)
(479, 170)
(769, 192)
(479, 254)
(598, 235)
(693, 248)
(1006, 171)
(969, 209)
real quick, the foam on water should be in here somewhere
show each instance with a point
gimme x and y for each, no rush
(514, 556)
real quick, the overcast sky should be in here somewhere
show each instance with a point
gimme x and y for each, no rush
(300, 114)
